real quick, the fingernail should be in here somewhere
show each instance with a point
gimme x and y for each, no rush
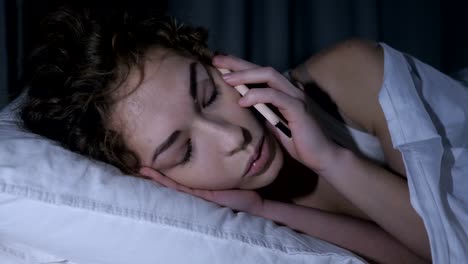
(226, 76)
(242, 101)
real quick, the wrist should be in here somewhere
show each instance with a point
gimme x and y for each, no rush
(334, 158)
(275, 210)
(264, 208)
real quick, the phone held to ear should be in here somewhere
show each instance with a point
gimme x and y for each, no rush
(263, 109)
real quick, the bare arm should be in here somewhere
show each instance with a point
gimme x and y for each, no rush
(362, 237)
(382, 196)
(351, 73)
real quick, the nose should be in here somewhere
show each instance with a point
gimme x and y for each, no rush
(231, 137)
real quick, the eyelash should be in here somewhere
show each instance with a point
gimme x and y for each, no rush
(188, 153)
(213, 97)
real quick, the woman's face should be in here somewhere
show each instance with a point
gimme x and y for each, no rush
(184, 121)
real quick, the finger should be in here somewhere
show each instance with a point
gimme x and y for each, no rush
(223, 197)
(232, 63)
(168, 182)
(205, 194)
(183, 188)
(266, 75)
(152, 174)
(158, 177)
(287, 105)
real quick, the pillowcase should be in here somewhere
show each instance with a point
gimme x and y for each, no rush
(57, 205)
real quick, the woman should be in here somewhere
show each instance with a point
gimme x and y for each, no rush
(145, 96)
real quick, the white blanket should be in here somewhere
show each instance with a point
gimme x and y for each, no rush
(427, 115)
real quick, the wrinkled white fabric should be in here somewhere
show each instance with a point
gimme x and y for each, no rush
(427, 115)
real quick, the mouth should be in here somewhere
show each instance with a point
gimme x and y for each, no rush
(260, 158)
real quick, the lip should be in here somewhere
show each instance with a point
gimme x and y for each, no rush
(254, 155)
(259, 159)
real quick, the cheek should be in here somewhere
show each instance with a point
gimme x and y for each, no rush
(271, 174)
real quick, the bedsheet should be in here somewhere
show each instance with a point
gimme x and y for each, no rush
(427, 115)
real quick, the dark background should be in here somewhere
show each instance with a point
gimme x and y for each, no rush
(279, 33)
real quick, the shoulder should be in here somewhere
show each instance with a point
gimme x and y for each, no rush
(344, 58)
(357, 48)
(351, 74)
(353, 57)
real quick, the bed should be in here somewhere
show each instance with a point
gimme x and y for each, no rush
(60, 207)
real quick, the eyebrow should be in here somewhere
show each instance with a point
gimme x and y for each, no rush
(176, 134)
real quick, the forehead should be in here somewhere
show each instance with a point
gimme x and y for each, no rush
(159, 98)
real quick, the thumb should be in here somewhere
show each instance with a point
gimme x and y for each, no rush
(277, 133)
(273, 130)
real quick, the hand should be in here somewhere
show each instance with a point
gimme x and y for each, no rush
(240, 200)
(308, 144)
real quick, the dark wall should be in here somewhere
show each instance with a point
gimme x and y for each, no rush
(24, 18)
(406, 25)
(454, 34)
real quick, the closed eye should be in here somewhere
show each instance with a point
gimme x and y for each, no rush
(188, 153)
(215, 89)
(213, 98)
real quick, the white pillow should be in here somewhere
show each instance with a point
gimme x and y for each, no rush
(56, 201)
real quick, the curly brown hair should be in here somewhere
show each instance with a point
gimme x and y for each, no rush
(75, 70)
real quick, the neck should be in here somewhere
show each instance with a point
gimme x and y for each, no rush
(293, 180)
